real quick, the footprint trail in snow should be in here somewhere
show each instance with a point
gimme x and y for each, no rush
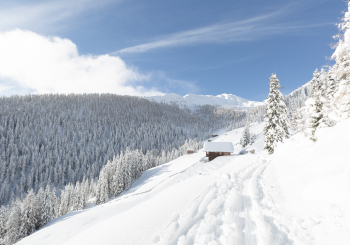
(227, 212)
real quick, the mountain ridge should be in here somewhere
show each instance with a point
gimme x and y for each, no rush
(191, 100)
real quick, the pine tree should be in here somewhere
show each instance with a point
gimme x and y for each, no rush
(252, 138)
(82, 195)
(128, 169)
(76, 197)
(146, 161)
(13, 224)
(331, 88)
(3, 220)
(39, 203)
(120, 176)
(55, 204)
(297, 120)
(28, 215)
(102, 187)
(276, 120)
(245, 140)
(315, 117)
(65, 203)
(341, 70)
(116, 176)
(140, 163)
(315, 106)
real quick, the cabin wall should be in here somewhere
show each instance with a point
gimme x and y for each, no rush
(213, 155)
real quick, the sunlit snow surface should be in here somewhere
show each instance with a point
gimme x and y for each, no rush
(300, 195)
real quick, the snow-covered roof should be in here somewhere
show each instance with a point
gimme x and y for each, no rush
(218, 147)
(190, 149)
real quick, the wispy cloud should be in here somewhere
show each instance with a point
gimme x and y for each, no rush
(239, 31)
(47, 15)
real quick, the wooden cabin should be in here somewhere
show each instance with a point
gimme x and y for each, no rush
(190, 150)
(214, 135)
(216, 149)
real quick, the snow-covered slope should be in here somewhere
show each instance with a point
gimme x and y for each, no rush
(190, 100)
(300, 195)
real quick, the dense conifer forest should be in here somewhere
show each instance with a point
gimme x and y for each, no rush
(60, 139)
(59, 151)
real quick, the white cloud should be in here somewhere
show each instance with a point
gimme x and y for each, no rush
(33, 63)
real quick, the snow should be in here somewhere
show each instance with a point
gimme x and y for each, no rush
(310, 101)
(191, 100)
(218, 147)
(299, 195)
(244, 151)
(315, 183)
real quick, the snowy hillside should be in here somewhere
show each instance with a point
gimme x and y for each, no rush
(190, 100)
(299, 195)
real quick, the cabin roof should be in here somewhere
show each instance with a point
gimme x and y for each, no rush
(218, 147)
(190, 149)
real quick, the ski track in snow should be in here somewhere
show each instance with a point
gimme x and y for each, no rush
(230, 211)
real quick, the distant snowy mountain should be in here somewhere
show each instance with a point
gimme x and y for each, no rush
(190, 100)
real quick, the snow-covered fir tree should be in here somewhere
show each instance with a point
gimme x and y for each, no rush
(13, 224)
(3, 219)
(252, 138)
(296, 121)
(276, 117)
(315, 106)
(341, 71)
(65, 202)
(245, 140)
(102, 186)
(29, 215)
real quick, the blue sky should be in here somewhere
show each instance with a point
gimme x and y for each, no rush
(153, 47)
